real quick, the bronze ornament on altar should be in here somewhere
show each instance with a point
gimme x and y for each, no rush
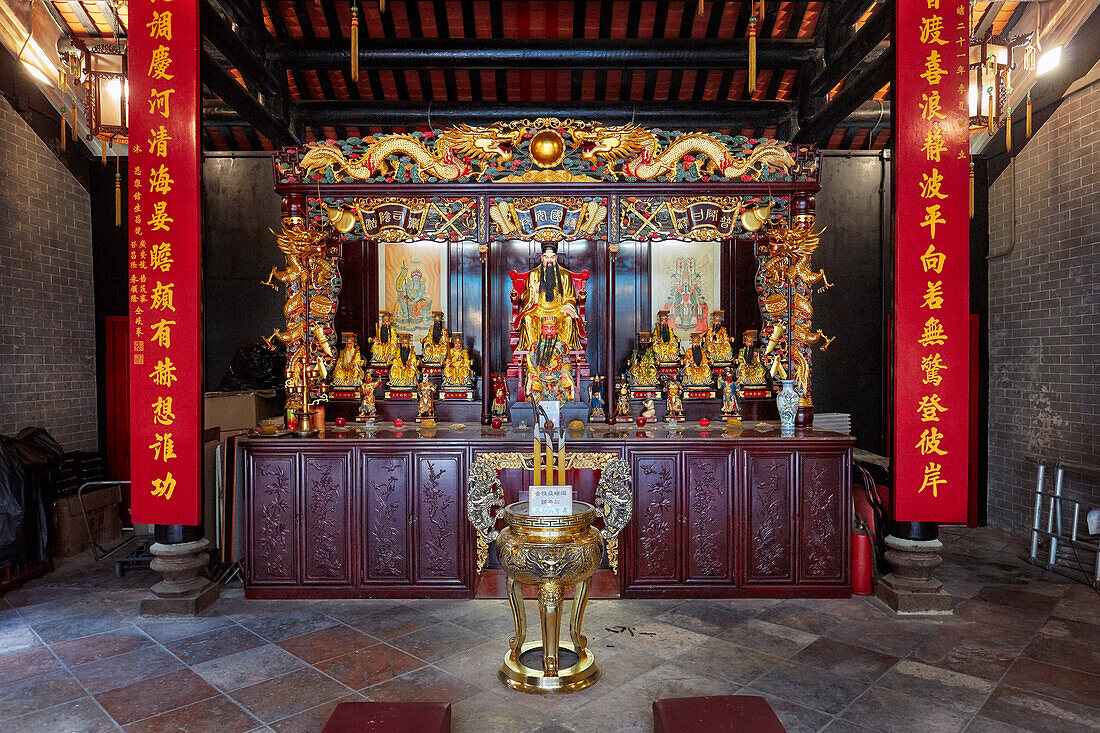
(550, 553)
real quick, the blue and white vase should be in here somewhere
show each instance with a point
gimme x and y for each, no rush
(787, 401)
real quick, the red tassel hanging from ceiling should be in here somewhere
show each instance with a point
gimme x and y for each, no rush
(752, 49)
(354, 42)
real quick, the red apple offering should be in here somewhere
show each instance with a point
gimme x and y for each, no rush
(397, 423)
(704, 422)
(497, 422)
(640, 421)
(341, 422)
(292, 424)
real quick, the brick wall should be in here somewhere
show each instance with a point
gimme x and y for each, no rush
(1044, 310)
(47, 327)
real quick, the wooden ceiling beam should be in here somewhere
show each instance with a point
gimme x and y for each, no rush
(855, 92)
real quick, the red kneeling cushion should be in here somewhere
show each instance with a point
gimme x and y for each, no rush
(717, 714)
(390, 717)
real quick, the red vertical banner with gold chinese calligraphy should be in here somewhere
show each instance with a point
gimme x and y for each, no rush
(165, 248)
(931, 373)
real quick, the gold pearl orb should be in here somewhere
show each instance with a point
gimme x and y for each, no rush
(547, 148)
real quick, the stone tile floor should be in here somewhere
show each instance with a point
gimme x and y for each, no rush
(1021, 652)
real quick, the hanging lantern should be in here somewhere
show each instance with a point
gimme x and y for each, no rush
(992, 61)
(105, 100)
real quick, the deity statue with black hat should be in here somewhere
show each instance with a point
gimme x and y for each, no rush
(384, 345)
(666, 344)
(405, 367)
(436, 343)
(549, 294)
(548, 366)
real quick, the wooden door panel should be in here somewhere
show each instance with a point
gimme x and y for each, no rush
(655, 522)
(386, 518)
(708, 540)
(821, 532)
(274, 522)
(326, 539)
(770, 525)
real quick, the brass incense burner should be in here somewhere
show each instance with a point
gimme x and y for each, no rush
(551, 553)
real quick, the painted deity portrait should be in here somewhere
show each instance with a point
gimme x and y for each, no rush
(415, 281)
(686, 283)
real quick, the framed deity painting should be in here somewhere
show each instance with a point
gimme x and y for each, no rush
(685, 280)
(412, 282)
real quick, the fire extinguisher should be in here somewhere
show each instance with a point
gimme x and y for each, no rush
(863, 561)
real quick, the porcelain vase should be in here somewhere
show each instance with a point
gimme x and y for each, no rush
(787, 401)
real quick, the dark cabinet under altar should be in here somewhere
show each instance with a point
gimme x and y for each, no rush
(718, 513)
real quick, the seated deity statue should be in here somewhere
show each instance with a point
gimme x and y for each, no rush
(384, 345)
(643, 363)
(457, 371)
(348, 371)
(435, 345)
(405, 367)
(750, 369)
(666, 344)
(718, 341)
(697, 372)
(548, 367)
(549, 294)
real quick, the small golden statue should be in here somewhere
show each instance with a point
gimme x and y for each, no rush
(405, 367)
(666, 344)
(548, 367)
(425, 405)
(643, 363)
(718, 341)
(348, 371)
(436, 344)
(750, 370)
(367, 409)
(549, 293)
(384, 344)
(674, 405)
(500, 397)
(622, 402)
(697, 372)
(456, 370)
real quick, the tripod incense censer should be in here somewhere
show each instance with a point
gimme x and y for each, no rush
(550, 553)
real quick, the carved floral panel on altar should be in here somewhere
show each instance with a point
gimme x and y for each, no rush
(412, 283)
(685, 279)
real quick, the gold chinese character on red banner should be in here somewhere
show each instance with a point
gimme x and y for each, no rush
(164, 486)
(161, 25)
(930, 30)
(930, 185)
(160, 257)
(160, 182)
(158, 66)
(933, 260)
(163, 447)
(162, 332)
(160, 220)
(930, 442)
(930, 107)
(930, 408)
(933, 295)
(162, 296)
(933, 72)
(162, 411)
(933, 333)
(932, 479)
(932, 217)
(158, 145)
(164, 373)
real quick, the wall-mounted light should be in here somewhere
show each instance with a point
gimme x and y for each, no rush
(107, 92)
(1048, 60)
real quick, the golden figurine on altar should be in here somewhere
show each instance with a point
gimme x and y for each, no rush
(384, 345)
(697, 372)
(348, 371)
(750, 370)
(425, 404)
(718, 341)
(674, 403)
(666, 344)
(367, 408)
(643, 363)
(548, 367)
(405, 367)
(549, 293)
(457, 371)
(436, 344)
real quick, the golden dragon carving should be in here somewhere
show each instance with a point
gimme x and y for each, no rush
(788, 263)
(450, 159)
(638, 148)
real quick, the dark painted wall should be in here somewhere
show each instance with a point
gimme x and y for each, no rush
(850, 376)
(239, 205)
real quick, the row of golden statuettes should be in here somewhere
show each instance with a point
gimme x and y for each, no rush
(393, 350)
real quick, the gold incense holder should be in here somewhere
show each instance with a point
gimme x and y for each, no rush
(551, 554)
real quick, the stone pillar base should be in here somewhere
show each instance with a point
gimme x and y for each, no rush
(911, 589)
(183, 592)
